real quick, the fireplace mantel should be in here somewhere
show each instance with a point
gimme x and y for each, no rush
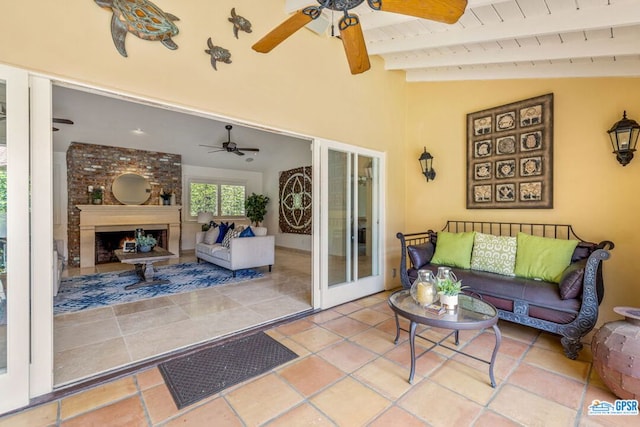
(133, 216)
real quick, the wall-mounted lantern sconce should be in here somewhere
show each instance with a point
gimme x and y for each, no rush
(624, 137)
(426, 163)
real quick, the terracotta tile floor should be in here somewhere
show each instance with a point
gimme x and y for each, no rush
(350, 373)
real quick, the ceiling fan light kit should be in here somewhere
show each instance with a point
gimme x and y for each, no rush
(446, 11)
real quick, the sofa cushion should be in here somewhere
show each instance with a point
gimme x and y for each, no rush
(231, 234)
(211, 235)
(247, 232)
(205, 249)
(495, 254)
(570, 285)
(505, 289)
(223, 254)
(583, 251)
(454, 249)
(420, 254)
(223, 227)
(542, 257)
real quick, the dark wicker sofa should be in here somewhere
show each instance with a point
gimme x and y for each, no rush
(529, 302)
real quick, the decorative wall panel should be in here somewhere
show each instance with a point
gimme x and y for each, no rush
(510, 156)
(295, 201)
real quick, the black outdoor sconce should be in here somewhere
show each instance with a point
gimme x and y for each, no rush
(624, 137)
(426, 164)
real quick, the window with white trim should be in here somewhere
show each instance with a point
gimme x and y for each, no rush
(222, 199)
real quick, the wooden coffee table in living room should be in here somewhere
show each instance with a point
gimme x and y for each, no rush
(143, 262)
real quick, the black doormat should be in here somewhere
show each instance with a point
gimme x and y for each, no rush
(198, 375)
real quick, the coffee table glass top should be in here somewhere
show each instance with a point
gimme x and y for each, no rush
(470, 310)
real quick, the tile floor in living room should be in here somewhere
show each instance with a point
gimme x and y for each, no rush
(350, 373)
(92, 341)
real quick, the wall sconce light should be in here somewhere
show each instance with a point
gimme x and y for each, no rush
(624, 137)
(426, 164)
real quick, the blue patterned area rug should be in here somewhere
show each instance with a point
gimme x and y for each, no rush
(100, 290)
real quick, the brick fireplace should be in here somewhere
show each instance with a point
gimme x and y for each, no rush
(110, 218)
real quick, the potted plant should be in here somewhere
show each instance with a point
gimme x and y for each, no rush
(449, 289)
(146, 243)
(166, 197)
(256, 207)
(97, 195)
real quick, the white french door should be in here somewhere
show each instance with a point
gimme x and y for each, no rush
(351, 218)
(14, 238)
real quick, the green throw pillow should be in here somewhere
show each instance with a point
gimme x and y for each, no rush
(495, 254)
(454, 249)
(542, 257)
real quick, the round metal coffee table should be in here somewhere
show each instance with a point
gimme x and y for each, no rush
(472, 313)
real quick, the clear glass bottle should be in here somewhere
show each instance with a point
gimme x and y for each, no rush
(424, 290)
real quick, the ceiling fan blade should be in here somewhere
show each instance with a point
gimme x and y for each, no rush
(238, 152)
(354, 46)
(210, 146)
(63, 121)
(55, 129)
(447, 11)
(282, 31)
(249, 149)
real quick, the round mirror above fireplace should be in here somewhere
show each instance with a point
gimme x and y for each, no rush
(131, 189)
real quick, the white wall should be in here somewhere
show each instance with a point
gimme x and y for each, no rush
(297, 155)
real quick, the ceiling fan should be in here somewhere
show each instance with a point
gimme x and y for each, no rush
(3, 116)
(447, 11)
(62, 121)
(228, 146)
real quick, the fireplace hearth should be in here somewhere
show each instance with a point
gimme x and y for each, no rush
(105, 219)
(109, 241)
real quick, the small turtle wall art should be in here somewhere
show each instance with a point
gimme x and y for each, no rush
(217, 54)
(240, 23)
(141, 18)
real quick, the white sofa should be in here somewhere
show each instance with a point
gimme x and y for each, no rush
(243, 252)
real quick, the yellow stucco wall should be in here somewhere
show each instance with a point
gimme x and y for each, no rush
(304, 86)
(592, 191)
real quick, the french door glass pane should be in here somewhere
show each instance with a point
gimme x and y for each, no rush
(338, 211)
(364, 215)
(3, 228)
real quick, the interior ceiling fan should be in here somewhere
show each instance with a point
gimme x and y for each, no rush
(62, 121)
(447, 11)
(3, 116)
(228, 146)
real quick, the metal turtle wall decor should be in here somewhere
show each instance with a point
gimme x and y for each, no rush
(141, 18)
(240, 23)
(217, 54)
